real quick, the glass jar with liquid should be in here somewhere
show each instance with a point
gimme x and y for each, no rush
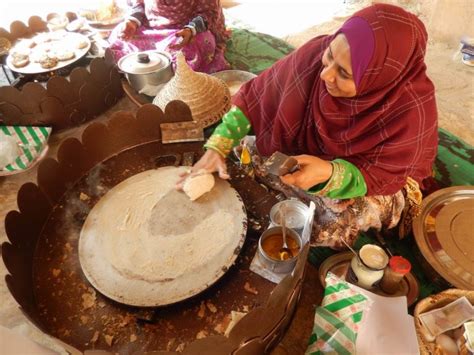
(367, 267)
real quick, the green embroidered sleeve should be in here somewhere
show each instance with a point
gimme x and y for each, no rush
(228, 134)
(345, 182)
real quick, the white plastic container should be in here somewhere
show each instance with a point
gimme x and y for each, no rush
(9, 150)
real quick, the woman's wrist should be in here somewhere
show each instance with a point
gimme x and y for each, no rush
(327, 170)
(215, 149)
(134, 20)
(191, 29)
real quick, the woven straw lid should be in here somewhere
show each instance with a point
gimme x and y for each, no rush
(207, 97)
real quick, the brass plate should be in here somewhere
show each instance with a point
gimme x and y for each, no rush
(339, 264)
(444, 233)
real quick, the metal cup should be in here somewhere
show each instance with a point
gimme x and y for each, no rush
(295, 214)
(278, 266)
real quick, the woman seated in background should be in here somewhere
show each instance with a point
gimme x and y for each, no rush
(357, 111)
(194, 26)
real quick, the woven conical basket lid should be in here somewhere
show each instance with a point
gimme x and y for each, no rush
(207, 97)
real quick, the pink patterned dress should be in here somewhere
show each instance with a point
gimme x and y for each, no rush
(160, 20)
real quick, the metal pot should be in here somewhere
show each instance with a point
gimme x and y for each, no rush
(150, 68)
(278, 266)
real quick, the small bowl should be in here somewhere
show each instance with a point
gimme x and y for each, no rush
(278, 266)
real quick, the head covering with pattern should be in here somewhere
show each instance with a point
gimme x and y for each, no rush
(388, 130)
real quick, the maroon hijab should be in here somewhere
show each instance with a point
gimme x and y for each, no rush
(389, 130)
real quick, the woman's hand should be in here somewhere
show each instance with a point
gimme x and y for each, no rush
(186, 35)
(127, 29)
(211, 161)
(313, 171)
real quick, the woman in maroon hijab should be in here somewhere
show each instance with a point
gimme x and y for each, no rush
(357, 111)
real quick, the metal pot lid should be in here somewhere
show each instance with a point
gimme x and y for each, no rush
(444, 233)
(143, 62)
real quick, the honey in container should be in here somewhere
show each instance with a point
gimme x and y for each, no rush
(270, 253)
(272, 245)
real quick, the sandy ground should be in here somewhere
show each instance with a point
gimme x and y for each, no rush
(454, 82)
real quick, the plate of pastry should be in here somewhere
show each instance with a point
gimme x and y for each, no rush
(47, 51)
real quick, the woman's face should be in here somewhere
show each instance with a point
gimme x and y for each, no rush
(337, 71)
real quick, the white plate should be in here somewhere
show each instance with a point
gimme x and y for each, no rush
(36, 68)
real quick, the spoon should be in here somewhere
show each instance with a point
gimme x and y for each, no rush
(285, 252)
(352, 250)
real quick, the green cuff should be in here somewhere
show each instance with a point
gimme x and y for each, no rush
(228, 134)
(345, 182)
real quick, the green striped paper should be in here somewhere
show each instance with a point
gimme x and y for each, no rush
(32, 141)
(336, 321)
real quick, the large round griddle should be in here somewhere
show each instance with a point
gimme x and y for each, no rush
(160, 248)
(444, 233)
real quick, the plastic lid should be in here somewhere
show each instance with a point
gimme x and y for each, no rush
(399, 265)
(143, 62)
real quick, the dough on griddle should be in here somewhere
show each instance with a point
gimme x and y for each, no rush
(197, 185)
(145, 243)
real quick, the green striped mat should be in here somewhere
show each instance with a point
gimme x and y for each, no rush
(336, 322)
(32, 141)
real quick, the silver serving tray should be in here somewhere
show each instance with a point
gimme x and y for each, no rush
(444, 232)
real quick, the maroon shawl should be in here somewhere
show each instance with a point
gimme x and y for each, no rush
(389, 130)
